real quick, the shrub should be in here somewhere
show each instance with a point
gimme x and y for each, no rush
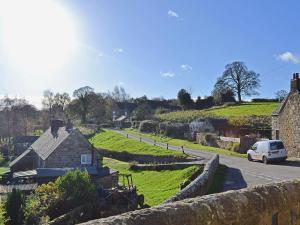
(14, 207)
(54, 199)
(148, 126)
(42, 204)
(76, 187)
(175, 130)
(235, 147)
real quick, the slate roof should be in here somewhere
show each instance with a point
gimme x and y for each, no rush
(56, 172)
(48, 142)
(281, 106)
(20, 157)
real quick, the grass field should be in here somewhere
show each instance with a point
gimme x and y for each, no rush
(185, 143)
(264, 109)
(116, 142)
(157, 186)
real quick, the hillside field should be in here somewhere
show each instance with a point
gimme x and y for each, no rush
(262, 109)
(110, 140)
(156, 186)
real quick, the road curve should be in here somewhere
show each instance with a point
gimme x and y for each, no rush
(241, 173)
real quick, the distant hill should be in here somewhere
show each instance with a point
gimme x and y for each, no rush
(231, 112)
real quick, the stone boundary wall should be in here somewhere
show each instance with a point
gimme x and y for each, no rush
(201, 184)
(158, 167)
(272, 204)
(143, 159)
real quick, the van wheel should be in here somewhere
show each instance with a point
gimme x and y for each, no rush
(249, 158)
(265, 160)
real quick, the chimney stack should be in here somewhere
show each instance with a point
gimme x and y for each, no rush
(55, 125)
(295, 83)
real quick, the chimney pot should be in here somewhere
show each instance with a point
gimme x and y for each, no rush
(295, 83)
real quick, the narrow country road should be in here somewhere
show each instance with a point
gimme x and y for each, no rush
(241, 173)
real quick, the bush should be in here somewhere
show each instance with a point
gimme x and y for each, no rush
(14, 207)
(54, 199)
(175, 130)
(76, 187)
(148, 126)
(235, 147)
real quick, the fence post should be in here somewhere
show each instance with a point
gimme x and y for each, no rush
(140, 139)
(154, 142)
(127, 135)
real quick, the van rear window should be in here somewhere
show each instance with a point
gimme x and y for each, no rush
(276, 145)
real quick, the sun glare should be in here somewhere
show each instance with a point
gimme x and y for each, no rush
(38, 35)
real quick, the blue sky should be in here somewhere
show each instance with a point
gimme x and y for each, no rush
(157, 47)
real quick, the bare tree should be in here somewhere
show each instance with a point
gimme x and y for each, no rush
(48, 102)
(82, 94)
(240, 80)
(119, 94)
(281, 94)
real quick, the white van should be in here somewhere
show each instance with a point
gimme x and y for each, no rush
(267, 151)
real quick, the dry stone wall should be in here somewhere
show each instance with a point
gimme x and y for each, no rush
(273, 204)
(201, 184)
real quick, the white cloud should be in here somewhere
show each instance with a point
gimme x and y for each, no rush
(119, 50)
(186, 67)
(120, 83)
(167, 74)
(289, 57)
(172, 13)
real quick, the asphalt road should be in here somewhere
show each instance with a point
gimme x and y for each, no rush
(241, 173)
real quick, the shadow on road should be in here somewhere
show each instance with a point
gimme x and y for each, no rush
(291, 163)
(234, 180)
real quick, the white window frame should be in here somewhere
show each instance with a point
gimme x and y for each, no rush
(86, 159)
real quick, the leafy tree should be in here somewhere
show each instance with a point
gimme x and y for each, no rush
(14, 207)
(143, 112)
(82, 94)
(281, 94)
(184, 98)
(240, 80)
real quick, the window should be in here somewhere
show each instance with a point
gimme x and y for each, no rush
(254, 147)
(86, 159)
(276, 145)
(277, 134)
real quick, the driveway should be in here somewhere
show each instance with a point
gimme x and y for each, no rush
(241, 173)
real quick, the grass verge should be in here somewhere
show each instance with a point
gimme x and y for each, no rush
(156, 186)
(185, 143)
(110, 140)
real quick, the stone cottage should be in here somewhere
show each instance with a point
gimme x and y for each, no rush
(286, 119)
(60, 149)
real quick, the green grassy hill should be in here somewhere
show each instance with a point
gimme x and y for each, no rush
(110, 140)
(157, 186)
(262, 109)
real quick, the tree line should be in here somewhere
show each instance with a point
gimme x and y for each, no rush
(18, 117)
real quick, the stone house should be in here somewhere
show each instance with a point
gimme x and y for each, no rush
(60, 149)
(286, 119)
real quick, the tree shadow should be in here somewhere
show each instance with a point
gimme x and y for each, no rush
(234, 180)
